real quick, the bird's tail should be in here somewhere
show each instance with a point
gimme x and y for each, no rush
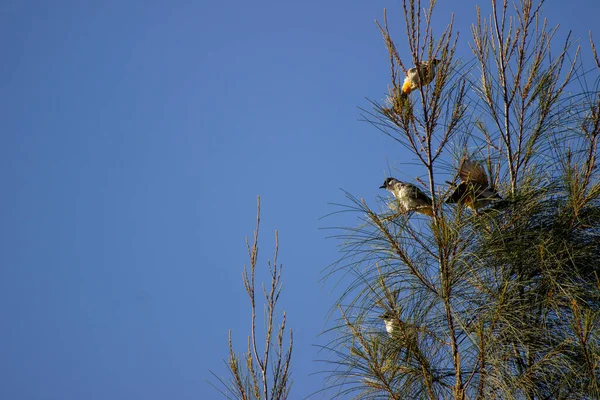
(402, 101)
(399, 105)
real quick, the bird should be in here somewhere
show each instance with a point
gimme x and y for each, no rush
(392, 323)
(474, 189)
(420, 75)
(411, 197)
(415, 78)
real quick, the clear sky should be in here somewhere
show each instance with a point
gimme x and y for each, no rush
(134, 139)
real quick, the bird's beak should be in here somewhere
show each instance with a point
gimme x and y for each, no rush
(382, 187)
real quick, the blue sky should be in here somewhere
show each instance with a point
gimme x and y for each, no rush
(135, 138)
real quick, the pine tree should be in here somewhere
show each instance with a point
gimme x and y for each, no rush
(495, 299)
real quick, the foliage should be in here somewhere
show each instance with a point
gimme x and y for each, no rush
(495, 303)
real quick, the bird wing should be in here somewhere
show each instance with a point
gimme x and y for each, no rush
(422, 66)
(418, 193)
(473, 172)
(458, 194)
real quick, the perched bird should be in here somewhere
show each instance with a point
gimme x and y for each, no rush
(392, 323)
(415, 78)
(474, 190)
(410, 196)
(419, 76)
